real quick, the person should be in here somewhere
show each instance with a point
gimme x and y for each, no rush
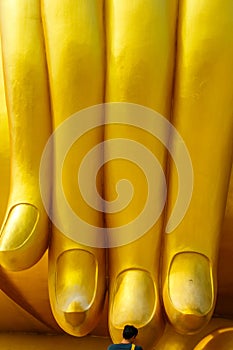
(129, 334)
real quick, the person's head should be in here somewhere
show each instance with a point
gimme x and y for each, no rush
(130, 332)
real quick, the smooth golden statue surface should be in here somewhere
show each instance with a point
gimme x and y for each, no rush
(122, 63)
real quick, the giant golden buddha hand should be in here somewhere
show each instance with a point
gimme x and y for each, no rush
(169, 68)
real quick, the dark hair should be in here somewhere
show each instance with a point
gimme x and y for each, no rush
(130, 332)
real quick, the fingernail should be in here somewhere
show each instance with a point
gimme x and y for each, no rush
(75, 286)
(19, 226)
(134, 299)
(189, 298)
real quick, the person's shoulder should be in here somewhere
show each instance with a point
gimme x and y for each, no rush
(113, 347)
(137, 347)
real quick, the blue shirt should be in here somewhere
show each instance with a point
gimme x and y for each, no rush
(123, 347)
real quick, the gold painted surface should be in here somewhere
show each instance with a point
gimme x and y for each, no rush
(203, 115)
(142, 74)
(224, 304)
(173, 340)
(16, 319)
(4, 145)
(19, 341)
(27, 99)
(75, 54)
(190, 277)
(220, 339)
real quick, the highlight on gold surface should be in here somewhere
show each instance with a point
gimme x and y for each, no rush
(219, 339)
